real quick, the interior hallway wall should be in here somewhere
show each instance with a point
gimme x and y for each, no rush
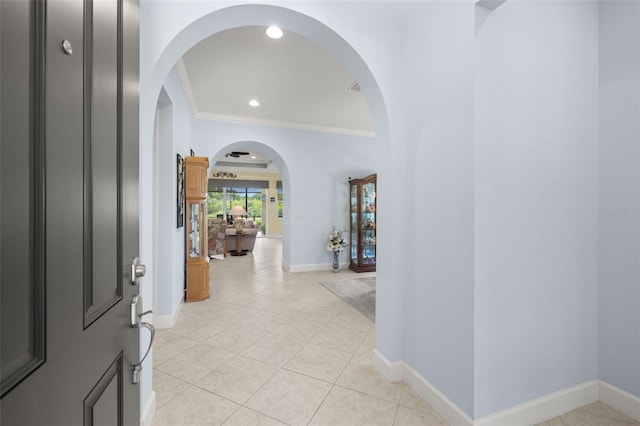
(536, 180)
(165, 298)
(619, 225)
(174, 139)
(438, 126)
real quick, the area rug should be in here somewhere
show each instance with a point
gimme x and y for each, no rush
(357, 292)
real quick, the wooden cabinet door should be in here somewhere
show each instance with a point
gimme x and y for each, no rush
(196, 177)
(204, 276)
(197, 280)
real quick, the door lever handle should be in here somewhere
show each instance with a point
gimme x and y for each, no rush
(135, 322)
(135, 311)
(145, 313)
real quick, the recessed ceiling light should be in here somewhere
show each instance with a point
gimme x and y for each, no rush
(254, 103)
(253, 157)
(274, 32)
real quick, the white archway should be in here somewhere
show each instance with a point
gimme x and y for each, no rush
(245, 15)
(217, 20)
(268, 152)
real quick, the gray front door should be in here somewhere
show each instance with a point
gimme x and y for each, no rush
(69, 211)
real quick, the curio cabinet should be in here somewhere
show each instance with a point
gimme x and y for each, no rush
(362, 198)
(197, 258)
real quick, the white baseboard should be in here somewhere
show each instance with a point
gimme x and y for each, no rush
(311, 267)
(285, 265)
(620, 400)
(544, 408)
(448, 410)
(528, 413)
(392, 371)
(149, 410)
(168, 321)
(399, 370)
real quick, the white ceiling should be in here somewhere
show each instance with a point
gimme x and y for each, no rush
(255, 162)
(298, 84)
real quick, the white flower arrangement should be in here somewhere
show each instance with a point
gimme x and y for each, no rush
(336, 241)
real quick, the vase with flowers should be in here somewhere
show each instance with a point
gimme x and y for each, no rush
(336, 244)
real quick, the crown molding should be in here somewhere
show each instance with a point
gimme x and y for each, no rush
(186, 86)
(238, 119)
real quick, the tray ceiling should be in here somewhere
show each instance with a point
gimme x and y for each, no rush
(298, 83)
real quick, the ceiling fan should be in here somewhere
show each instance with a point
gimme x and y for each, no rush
(236, 154)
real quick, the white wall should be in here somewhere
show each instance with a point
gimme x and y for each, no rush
(536, 170)
(161, 243)
(166, 217)
(438, 303)
(175, 136)
(619, 226)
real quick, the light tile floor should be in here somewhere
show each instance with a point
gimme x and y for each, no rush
(274, 348)
(596, 414)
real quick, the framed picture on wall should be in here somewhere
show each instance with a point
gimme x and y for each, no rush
(180, 188)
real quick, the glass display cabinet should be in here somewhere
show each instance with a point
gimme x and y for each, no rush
(196, 211)
(197, 258)
(362, 198)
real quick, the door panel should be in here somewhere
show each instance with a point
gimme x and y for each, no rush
(72, 201)
(102, 61)
(23, 348)
(103, 406)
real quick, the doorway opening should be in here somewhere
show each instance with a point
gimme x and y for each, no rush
(299, 205)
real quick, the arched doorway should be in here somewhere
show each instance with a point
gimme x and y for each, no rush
(214, 21)
(267, 152)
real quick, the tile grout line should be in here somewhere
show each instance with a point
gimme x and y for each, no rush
(176, 395)
(395, 415)
(320, 405)
(299, 295)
